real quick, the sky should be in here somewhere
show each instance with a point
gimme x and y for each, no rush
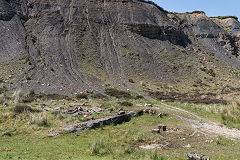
(210, 7)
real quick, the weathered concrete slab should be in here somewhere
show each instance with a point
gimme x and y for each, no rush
(92, 124)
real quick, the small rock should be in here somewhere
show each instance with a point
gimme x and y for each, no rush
(162, 127)
(77, 104)
(205, 158)
(47, 109)
(155, 130)
(53, 134)
(160, 115)
(57, 108)
(55, 112)
(188, 146)
(96, 109)
(111, 109)
(43, 105)
(208, 141)
(121, 112)
(75, 114)
(151, 146)
(5, 104)
(148, 105)
(150, 111)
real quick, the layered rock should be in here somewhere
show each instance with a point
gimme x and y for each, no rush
(77, 45)
(6, 11)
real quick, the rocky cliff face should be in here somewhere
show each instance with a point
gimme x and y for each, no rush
(72, 45)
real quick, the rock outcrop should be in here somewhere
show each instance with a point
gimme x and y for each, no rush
(70, 46)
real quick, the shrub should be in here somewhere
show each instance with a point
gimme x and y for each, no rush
(82, 96)
(231, 117)
(225, 17)
(26, 59)
(22, 108)
(155, 156)
(32, 96)
(27, 98)
(40, 120)
(223, 141)
(99, 96)
(8, 133)
(117, 93)
(196, 12)
(131, 80)
(237, 101)
(125, 103)
(28, 78)
(52, 96)
(3, 89)
(128, 149)
(139, 97)
(1, 81)
(32, 92)
(100, 147)
(2, 99)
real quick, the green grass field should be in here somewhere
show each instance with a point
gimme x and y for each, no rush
(23, 140)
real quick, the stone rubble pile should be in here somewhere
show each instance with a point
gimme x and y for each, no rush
(194, 156)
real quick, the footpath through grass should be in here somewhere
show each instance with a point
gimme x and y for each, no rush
(228, 115)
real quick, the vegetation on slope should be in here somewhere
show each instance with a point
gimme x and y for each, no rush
(225, 17)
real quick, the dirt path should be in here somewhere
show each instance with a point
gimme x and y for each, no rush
(203, 124)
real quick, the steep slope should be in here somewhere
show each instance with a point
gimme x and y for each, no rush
(70, 46)
(230, 24)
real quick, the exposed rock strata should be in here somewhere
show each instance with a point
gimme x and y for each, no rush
(77, 45)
